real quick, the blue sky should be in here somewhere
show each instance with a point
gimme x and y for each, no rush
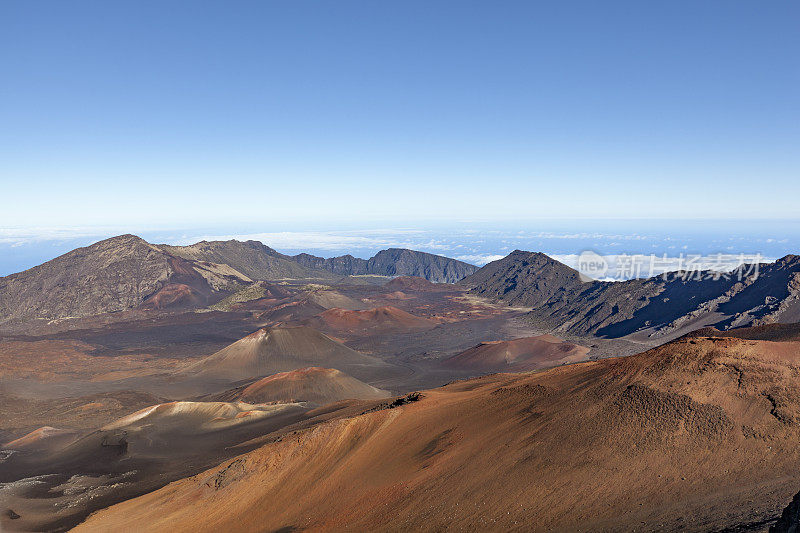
(462, 128)
(200, 113)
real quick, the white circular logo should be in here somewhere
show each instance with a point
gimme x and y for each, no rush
(591, 266)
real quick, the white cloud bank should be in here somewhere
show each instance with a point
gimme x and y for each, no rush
(327, 240)
(479, 259)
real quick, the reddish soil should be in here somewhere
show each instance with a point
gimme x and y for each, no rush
(281, 349)
(173, 295)
(700, 434)
(518, 355)
(58, 360)
(313, 384)
(378, 320)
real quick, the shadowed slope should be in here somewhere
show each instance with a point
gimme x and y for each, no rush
(766, 332)
(134, 454)
(662, 306)
(698, 435)
(523, 277)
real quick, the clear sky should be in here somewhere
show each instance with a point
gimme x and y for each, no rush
(181, 113)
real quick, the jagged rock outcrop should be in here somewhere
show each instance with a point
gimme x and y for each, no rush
(663, 305)
(394, 262)
(344, 265)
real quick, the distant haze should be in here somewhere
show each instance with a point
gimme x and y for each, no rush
(474, 243)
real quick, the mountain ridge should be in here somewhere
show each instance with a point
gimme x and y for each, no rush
(252, 258)
(665, 305)
(126, 272)
(115, 274)
(394, 262)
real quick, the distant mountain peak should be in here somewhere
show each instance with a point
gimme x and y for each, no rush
(126, 239)
(394, 262)
(790, 259)
(661, 306)
(116, 274)
(505, 278)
